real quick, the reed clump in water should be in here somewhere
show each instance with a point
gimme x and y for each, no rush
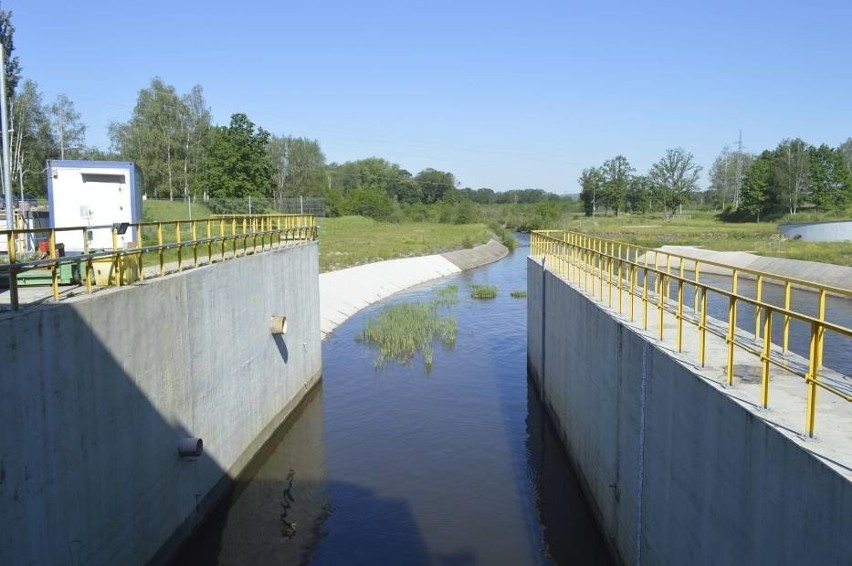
(519, 294)
(400, 332)
(478, 291)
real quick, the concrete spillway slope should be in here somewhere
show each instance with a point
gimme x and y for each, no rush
(345, 292)
(824, 273)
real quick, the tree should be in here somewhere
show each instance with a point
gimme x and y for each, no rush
(30, 142)
(154, 136)
(830, 182)
(466, 212)
(13, 65)
(66, 127)
(639, 194)
(237, 164)
(616, 175)
(845, 150)
(370, 202)
(591, 181)
(726, 176)
(674, 177)
(195, 126)
(435, 185)
(299, 166)
(757, 196)
(791, 173)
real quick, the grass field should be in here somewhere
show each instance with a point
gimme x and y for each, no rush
(163, 211)
(354, 240)
(703, 229)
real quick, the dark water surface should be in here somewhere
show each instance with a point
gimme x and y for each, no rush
(402, 465)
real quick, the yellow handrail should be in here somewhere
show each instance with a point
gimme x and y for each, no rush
(151, 238)
(588, 255)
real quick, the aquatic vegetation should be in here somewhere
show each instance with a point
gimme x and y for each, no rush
(446, 296)
(519, 294)
(478, 291)
(400, 332)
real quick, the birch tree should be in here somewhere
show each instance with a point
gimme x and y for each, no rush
(66, 126)
(195, 123)
(153, 137)
(791, 173)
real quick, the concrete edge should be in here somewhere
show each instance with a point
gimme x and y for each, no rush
(478, 256)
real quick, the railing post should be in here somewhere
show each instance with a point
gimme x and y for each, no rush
(695, 288)
(160, 248)
(88, 265)
(179, 246)
(645, 294)
(619, 284)
(732, 327)
(194, 226)
(680, 309)
(702, 329)
(767, 352)
(209, 231)
(610, 274)
(54, 280)
(757, 310)
(139, 246)
(787, 294)
(13, 272)
(815, 363)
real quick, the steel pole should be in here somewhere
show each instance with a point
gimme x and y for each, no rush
(4, 117)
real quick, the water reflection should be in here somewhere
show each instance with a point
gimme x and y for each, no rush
(288, 529)
(570, 533)
(260, 522)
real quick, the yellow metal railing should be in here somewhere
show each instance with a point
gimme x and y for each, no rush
(221, 237)
(605, 268)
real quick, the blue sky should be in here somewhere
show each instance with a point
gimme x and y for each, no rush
(503, 94)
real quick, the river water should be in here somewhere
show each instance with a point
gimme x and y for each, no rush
(400, 465)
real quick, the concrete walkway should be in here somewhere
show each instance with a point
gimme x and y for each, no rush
(346, 291)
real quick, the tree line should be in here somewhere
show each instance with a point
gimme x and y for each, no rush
(793, 177)
(172, 138)
(614, 187)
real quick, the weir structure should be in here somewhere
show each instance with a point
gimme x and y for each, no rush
(695, 401)
(128, 409)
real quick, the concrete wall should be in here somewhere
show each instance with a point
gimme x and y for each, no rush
(96, 394)
(678, 472)
(819, 231)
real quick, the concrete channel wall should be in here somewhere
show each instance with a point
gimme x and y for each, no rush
(837, 231)
(678, 472)
(98, 391)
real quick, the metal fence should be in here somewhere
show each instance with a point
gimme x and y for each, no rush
(161, 246)
(314, 206)
(648, 285)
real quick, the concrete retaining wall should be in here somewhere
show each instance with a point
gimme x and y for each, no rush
(838, 231)
(96, 393)
(678, 472)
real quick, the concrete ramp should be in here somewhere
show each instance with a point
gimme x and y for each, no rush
(345, 292)
(823, 273)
